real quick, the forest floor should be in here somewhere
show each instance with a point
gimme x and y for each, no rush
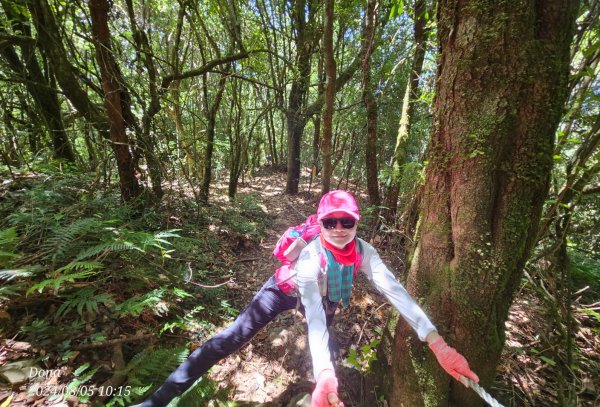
(276, 367)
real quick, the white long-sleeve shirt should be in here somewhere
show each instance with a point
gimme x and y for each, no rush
(307, 270)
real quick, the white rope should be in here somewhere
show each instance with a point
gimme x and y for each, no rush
(483, 394)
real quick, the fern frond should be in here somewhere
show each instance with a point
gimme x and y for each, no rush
(8, 237)
(84, 298)
(135, 305)
(64, 236)
(115, 247)
(199, 394)
(57, 282)
(81, 265)
(8, 241)
(167, 233)
(7, 291)
(153, 366)
(25, 272)
(148, 369)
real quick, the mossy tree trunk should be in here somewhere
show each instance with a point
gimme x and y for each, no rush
(410, 100)
(329, 95)
(502, 83)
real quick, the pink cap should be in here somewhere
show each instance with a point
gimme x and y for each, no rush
(337, 201)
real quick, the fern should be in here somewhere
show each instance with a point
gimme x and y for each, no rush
(167, 233)
(24, 272)
(57, 282)
(81, 265)
(15, 288)
(148, 369)
(64, 237)
(203, 391)
(84, 298)
(7, 292)
(8, 237)
(135, 305)
(8, 241)
(114, 247)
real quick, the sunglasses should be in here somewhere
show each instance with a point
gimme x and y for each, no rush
(331, 223)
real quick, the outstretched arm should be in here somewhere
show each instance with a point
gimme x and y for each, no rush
(451, 361)
(383, 279)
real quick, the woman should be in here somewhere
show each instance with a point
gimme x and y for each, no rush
(323, 276)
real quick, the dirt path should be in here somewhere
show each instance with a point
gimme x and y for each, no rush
(276, 365)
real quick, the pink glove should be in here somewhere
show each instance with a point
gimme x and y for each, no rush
(453, 362)
(326, 384)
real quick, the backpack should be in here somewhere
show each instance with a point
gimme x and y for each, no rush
(288, 248)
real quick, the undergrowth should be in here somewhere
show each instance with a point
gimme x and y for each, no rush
(78, 268)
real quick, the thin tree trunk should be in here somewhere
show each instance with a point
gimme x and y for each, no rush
(296, 120)
(316, 148)
(210, 137)
(113, 99)
(329, 95)
(502, 83)
(412, 94)
(368, 42)
(146, 137)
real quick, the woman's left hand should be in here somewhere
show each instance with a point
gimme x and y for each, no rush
(451, 361)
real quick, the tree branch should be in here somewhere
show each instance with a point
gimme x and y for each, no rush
(205, 68)
(244, 78)
(7, 40)
(591, 190)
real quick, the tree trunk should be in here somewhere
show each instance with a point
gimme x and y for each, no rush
(68, 78)
(210, 137)
(296, 120)
(329, 95)
(113, 99)
(502, 82)
(42, 90)
(316, 148)
(146, 137)
(413, 91)
(368, 42)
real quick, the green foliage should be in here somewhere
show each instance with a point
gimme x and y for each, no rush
(201, 393)
(245, 218)
(146, 370)
(585, 271)
(64, 238)
(363, 358)
(57, 282)
(38, 329)
(8, 240)
(85, 299)
(81, 376)
(105, 268)
(135, 305)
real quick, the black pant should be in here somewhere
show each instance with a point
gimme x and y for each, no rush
(269, 302)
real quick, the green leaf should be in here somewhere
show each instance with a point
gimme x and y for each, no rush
(592, 313)
(81, 369)
(548, 360)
